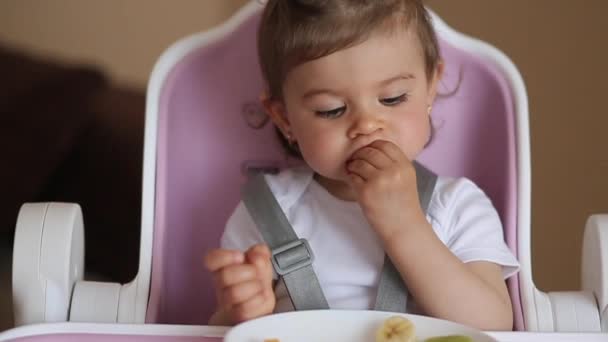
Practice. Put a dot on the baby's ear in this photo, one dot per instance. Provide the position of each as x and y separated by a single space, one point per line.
434 82
440 68
277 112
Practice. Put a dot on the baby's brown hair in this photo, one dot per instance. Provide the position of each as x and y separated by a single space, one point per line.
296 31
293 32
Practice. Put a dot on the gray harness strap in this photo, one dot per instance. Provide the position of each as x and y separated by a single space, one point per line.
292 257
392 292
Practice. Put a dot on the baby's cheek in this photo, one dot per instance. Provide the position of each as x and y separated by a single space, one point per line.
416 138
321 156
314 154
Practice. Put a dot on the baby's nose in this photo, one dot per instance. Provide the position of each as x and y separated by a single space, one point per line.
365 125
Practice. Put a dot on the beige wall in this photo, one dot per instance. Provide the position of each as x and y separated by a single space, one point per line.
558 45
124 36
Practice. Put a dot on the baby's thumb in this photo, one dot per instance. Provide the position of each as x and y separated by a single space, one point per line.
261 249
259 256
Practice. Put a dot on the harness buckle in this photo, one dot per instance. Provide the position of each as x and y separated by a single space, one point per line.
292 256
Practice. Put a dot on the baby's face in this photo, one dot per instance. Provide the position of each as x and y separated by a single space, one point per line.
377 90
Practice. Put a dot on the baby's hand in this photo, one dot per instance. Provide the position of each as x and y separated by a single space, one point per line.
243 284
384 181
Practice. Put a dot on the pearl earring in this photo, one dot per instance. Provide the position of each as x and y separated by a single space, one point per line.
428 109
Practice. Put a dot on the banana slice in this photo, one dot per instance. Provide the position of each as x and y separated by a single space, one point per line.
396 329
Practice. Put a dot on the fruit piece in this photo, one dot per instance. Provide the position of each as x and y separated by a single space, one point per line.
450 338
396 329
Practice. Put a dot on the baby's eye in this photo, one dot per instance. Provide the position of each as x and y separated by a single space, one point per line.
393 101
331 114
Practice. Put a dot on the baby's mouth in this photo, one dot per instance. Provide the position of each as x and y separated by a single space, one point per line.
347 163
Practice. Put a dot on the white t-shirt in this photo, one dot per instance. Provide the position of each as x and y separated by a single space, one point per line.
348 253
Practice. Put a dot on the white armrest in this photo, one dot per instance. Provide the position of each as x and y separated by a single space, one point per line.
594 270
567 311
95 302
103 302
48 267
574 311
587 310
48 258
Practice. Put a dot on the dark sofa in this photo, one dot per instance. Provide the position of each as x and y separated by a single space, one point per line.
69 134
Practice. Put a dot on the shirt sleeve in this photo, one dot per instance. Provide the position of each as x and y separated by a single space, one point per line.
472 228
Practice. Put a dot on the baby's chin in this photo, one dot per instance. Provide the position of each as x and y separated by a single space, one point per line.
334 178
337 186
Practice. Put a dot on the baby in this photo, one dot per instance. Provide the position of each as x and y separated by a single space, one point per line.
350 86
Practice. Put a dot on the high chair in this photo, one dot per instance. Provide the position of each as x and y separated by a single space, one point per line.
205 130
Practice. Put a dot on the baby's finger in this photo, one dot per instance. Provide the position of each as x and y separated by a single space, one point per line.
220 258
356 180
264 269
260 257
232 275
259 249
241 292
267 273
373 155
255 307
361 168
390 149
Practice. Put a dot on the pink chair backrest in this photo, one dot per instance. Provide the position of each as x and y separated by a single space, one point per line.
208 110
